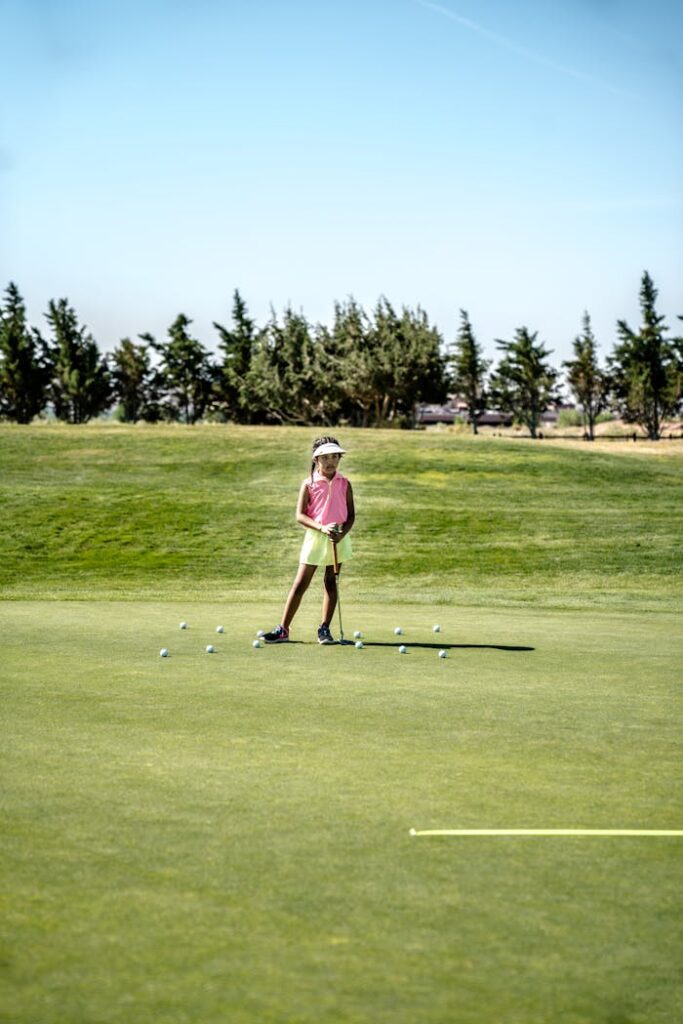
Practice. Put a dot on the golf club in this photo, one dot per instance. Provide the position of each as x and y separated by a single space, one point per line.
336 576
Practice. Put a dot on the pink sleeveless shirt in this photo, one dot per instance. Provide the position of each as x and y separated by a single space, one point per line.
327 499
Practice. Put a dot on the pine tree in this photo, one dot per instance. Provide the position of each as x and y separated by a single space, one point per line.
24 363
288 378
81 385
588 383
384 345
187 374
383 365
396 364
351 365
263 383
239 346
469 370
333 403
645 368
524 383
420 373
136 383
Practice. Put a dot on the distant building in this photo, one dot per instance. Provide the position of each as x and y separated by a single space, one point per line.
494 418
428 415
456 409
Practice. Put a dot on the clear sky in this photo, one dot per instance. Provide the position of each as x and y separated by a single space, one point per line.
523 161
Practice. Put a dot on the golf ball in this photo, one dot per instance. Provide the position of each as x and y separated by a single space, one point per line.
261 633
442 654
403 649
219 629
357 634
183 625
255 643
210 649
163 653
398 631
359 645
436 629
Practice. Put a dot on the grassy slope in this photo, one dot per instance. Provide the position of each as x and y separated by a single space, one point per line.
171 512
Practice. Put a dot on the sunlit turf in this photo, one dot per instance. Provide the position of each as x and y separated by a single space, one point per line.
226 837
173 512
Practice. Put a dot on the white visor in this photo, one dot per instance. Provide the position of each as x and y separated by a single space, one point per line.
328 449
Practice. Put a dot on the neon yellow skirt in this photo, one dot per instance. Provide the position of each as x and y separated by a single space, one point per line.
317 548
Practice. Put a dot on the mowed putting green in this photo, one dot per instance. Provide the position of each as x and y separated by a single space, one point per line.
226 837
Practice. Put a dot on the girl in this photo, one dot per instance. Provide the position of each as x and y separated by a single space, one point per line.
325 510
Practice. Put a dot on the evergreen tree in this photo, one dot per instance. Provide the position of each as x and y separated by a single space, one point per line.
285 375
263 383
469 370
384 345
239 346
342 373
395 362
81 385
351 367
420 373
381 366
187 374
332 401
524 383
646 367
588 383
24 364
136 383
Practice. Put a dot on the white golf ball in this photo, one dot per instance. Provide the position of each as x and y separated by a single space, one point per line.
256 643
442 654
359 645
403 649
210 649
357 634
436 629
219 629
183 625
163 653
261 633
398 631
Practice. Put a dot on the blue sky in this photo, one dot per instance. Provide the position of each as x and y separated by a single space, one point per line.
523 161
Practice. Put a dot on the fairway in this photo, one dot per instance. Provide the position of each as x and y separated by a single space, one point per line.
173 512
226 837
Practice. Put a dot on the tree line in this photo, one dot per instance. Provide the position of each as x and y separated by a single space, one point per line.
365 369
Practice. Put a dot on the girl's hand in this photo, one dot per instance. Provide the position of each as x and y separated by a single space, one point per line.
333 530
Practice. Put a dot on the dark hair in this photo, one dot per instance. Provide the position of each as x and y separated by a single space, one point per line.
325 439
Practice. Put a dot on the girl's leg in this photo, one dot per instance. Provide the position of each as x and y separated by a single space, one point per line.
329 595
299 588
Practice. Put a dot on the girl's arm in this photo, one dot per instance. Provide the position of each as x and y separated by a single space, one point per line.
350 513
301 516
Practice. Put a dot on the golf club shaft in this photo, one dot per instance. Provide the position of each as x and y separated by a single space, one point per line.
336 577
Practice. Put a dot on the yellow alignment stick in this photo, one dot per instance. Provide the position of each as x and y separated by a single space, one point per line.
546 832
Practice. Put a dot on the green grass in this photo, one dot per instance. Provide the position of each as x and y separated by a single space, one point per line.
211 838
163 513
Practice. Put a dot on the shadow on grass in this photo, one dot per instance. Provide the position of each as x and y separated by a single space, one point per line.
446 647
409 645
